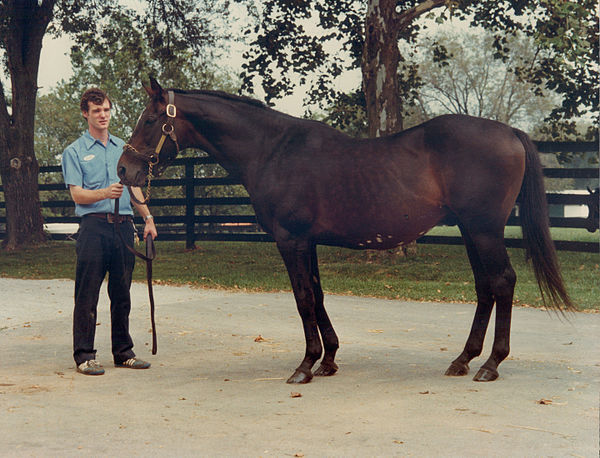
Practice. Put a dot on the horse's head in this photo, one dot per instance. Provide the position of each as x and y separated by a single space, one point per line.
153 144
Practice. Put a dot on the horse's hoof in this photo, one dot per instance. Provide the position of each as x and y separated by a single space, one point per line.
300 377
457 369
486 375
325 370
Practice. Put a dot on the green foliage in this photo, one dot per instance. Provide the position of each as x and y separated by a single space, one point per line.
565 37
283 49
564 34
348 114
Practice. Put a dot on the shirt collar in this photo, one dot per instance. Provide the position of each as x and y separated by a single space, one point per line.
90 141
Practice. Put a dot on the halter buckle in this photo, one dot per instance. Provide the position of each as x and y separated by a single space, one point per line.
171 110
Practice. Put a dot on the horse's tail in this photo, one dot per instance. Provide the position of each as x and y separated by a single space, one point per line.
535 224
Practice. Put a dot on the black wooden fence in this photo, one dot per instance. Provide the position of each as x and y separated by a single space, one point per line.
198 218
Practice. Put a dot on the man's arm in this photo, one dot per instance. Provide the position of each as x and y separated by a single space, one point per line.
89 196
144 212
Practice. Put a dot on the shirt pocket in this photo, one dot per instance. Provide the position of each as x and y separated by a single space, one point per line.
94 172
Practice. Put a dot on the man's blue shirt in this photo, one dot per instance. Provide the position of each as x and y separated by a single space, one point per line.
88 163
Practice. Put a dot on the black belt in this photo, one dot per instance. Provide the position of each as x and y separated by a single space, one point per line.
111 217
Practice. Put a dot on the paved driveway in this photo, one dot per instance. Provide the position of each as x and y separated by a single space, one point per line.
217 389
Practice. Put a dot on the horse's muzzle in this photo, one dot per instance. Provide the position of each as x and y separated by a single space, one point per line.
131 175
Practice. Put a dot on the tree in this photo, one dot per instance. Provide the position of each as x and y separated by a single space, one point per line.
366 32
22 28
169 26
471 81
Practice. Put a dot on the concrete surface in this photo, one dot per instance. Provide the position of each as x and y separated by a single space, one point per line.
217 389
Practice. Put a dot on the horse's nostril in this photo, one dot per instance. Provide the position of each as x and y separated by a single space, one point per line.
121 171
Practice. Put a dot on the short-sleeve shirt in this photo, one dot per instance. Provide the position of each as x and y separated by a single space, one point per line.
88 163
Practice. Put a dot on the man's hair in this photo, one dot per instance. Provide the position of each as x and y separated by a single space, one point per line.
94 95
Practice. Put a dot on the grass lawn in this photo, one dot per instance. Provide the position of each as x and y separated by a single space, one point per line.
437 273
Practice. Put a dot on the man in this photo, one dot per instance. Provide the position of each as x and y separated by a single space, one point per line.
90 170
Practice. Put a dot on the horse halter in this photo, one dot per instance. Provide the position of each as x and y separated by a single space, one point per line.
167 130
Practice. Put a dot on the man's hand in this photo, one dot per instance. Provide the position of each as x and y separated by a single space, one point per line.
114 191
150 229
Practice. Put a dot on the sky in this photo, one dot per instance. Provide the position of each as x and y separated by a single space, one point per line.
55 64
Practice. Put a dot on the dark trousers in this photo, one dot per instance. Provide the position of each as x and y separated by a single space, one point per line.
100 250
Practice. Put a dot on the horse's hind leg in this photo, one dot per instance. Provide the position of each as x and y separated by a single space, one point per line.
485 303
330 339
502 279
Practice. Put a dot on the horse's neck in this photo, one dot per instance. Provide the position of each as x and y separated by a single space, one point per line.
237 132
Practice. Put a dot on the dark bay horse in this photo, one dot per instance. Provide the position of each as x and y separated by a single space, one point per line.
311 184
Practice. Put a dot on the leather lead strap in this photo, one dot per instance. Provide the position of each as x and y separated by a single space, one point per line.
148 258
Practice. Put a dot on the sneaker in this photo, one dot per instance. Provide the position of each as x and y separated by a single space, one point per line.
134 363
91 367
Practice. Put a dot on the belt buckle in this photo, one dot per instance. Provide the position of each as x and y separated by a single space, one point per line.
110 218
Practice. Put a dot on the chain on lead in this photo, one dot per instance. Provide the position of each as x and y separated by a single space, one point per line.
150 177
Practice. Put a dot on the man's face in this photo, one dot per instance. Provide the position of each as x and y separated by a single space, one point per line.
98 116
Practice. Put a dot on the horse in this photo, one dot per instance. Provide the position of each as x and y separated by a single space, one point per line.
311 184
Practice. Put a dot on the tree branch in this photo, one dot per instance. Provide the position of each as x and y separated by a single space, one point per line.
408 16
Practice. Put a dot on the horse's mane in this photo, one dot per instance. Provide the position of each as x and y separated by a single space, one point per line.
224 95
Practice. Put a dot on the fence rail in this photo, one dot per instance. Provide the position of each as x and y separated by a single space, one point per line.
212 224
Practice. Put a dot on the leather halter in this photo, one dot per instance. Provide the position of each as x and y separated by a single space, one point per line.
167 130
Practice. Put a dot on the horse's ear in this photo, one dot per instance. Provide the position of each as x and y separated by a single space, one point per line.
155 91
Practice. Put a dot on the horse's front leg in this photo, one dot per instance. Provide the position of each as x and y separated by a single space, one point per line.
330 340
297 258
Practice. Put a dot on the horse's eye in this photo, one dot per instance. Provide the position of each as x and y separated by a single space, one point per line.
150 119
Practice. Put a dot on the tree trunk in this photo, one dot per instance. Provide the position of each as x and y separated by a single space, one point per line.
380 61
27 24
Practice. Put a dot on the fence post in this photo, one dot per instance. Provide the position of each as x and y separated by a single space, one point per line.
190 237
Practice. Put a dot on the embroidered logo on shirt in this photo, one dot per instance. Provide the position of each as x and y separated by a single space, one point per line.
89 157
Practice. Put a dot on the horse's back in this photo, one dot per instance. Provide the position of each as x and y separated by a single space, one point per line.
381 192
